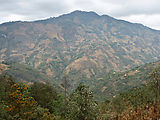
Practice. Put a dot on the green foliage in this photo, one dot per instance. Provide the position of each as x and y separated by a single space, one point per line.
138 99
118 82
155 83
3 110
5 84
57 105
44 94
20 104
41 113
81 105
24 73
135 97
16 102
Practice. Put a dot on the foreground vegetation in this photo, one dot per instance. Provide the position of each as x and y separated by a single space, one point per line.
139 103
41 101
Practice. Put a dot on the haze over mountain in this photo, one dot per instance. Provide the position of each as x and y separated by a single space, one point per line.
82 45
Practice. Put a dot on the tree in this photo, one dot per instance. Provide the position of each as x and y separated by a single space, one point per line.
65 84
82 105
5 83
20 104
44 94
155 82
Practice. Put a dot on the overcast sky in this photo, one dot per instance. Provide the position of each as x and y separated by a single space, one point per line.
146 12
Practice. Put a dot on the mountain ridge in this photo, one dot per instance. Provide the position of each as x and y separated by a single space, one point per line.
83 45
75 12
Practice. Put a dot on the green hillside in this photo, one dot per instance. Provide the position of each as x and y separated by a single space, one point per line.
104 87
115 82
25 74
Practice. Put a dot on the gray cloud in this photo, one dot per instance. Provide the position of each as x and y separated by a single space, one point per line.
33 7
138 7
145 11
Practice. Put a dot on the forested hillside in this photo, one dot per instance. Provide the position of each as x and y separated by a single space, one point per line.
42 101
107 86
115 82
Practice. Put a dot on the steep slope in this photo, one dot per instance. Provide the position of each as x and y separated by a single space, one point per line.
23 73
82 45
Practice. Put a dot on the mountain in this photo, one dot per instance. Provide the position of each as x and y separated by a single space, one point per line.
82 45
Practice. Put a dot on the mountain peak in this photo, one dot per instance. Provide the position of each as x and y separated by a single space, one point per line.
82 14
78 12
